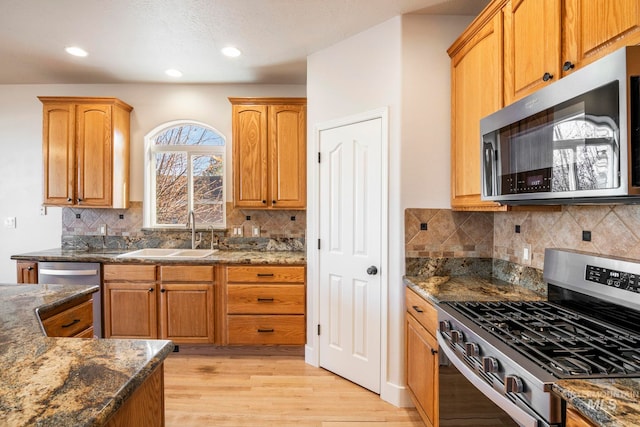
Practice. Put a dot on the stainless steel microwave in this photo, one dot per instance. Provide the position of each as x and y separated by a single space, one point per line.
576 140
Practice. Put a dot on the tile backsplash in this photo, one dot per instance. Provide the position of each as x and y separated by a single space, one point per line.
279 230
614 229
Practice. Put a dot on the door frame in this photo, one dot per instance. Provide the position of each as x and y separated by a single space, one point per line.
312 347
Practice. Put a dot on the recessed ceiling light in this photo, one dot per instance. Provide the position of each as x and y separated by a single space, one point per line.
76 51
231 51
173 73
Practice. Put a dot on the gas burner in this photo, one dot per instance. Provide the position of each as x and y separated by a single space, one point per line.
571 366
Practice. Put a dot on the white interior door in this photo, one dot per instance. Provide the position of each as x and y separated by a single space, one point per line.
350 251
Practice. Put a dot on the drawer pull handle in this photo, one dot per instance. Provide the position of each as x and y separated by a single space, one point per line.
265 299
265 274
265 330
418 309
73 322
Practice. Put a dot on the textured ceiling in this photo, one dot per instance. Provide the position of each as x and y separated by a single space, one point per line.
137 40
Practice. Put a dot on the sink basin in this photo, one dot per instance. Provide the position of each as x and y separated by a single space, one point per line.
168 253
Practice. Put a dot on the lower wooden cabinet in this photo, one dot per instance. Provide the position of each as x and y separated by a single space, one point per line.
422 357
575 419
178 306
27 271
73 319
265 305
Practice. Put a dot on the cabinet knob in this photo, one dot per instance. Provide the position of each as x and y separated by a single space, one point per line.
547 76
264 202
273 202
150 289
29 268
434 351
568 65
79 200
163 290
69 199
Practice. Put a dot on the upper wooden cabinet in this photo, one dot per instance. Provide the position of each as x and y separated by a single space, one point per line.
269 152
532 46
476 91
546 39
85 151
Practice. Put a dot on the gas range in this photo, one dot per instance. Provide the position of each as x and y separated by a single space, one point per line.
586 329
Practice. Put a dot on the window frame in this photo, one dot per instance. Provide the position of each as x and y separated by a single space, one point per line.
149 218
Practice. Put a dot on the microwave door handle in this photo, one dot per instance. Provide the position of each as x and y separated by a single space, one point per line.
519 415
488 169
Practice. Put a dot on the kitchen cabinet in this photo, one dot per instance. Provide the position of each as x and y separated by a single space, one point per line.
265 305
73 319
269 152
130 302
546 39
422 357
186 304
85 152
575 419
27 271
179 306
476 91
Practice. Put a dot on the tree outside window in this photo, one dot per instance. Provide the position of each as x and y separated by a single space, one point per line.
184 166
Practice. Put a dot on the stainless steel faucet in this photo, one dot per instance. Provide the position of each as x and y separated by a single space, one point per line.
191 222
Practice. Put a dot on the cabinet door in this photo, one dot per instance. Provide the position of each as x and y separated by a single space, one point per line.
27 271
594 28
186 313
422 370
130 310
250 156
575 419
476 84
532 40
287 153
58 154
94 151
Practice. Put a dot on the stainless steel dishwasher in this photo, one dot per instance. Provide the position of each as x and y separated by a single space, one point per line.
75 273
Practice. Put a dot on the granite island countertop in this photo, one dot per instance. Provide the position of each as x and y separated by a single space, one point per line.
218 257
64 381
608 402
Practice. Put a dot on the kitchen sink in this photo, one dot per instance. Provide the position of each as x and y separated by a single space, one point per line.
168 253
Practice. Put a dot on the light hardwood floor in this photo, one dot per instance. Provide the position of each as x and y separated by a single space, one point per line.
268 387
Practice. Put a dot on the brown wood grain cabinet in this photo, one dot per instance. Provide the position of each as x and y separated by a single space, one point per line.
130 301
476 91
73 319
269 152
27 272
265 305
575 419
422 357
85 151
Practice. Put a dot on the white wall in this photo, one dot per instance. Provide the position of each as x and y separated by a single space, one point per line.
21 146
401 64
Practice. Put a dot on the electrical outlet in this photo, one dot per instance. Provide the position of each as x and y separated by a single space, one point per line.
10 222
237 231
526 254
255 231
103 230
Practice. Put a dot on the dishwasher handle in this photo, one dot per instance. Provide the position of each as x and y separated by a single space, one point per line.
68 272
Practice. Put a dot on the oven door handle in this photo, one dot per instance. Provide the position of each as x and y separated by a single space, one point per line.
520 416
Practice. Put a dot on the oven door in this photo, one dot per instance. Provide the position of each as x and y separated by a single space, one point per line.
466 399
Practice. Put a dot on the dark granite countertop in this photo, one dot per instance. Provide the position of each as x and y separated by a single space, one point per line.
64 381
607 402
218 257
468 288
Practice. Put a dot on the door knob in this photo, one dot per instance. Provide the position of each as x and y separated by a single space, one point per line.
373 270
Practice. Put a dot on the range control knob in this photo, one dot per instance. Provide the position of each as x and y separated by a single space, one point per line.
456 336
490 365
513 384
445 326
472 349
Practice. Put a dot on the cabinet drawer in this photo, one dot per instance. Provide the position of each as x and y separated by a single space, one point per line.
186 273
270 299
87 333
264 329
265 274
129 273
71 321
422 310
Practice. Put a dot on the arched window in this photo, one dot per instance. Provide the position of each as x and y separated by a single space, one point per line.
184 165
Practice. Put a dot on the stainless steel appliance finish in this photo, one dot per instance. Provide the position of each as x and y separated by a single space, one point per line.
75 273
513 351
574 141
